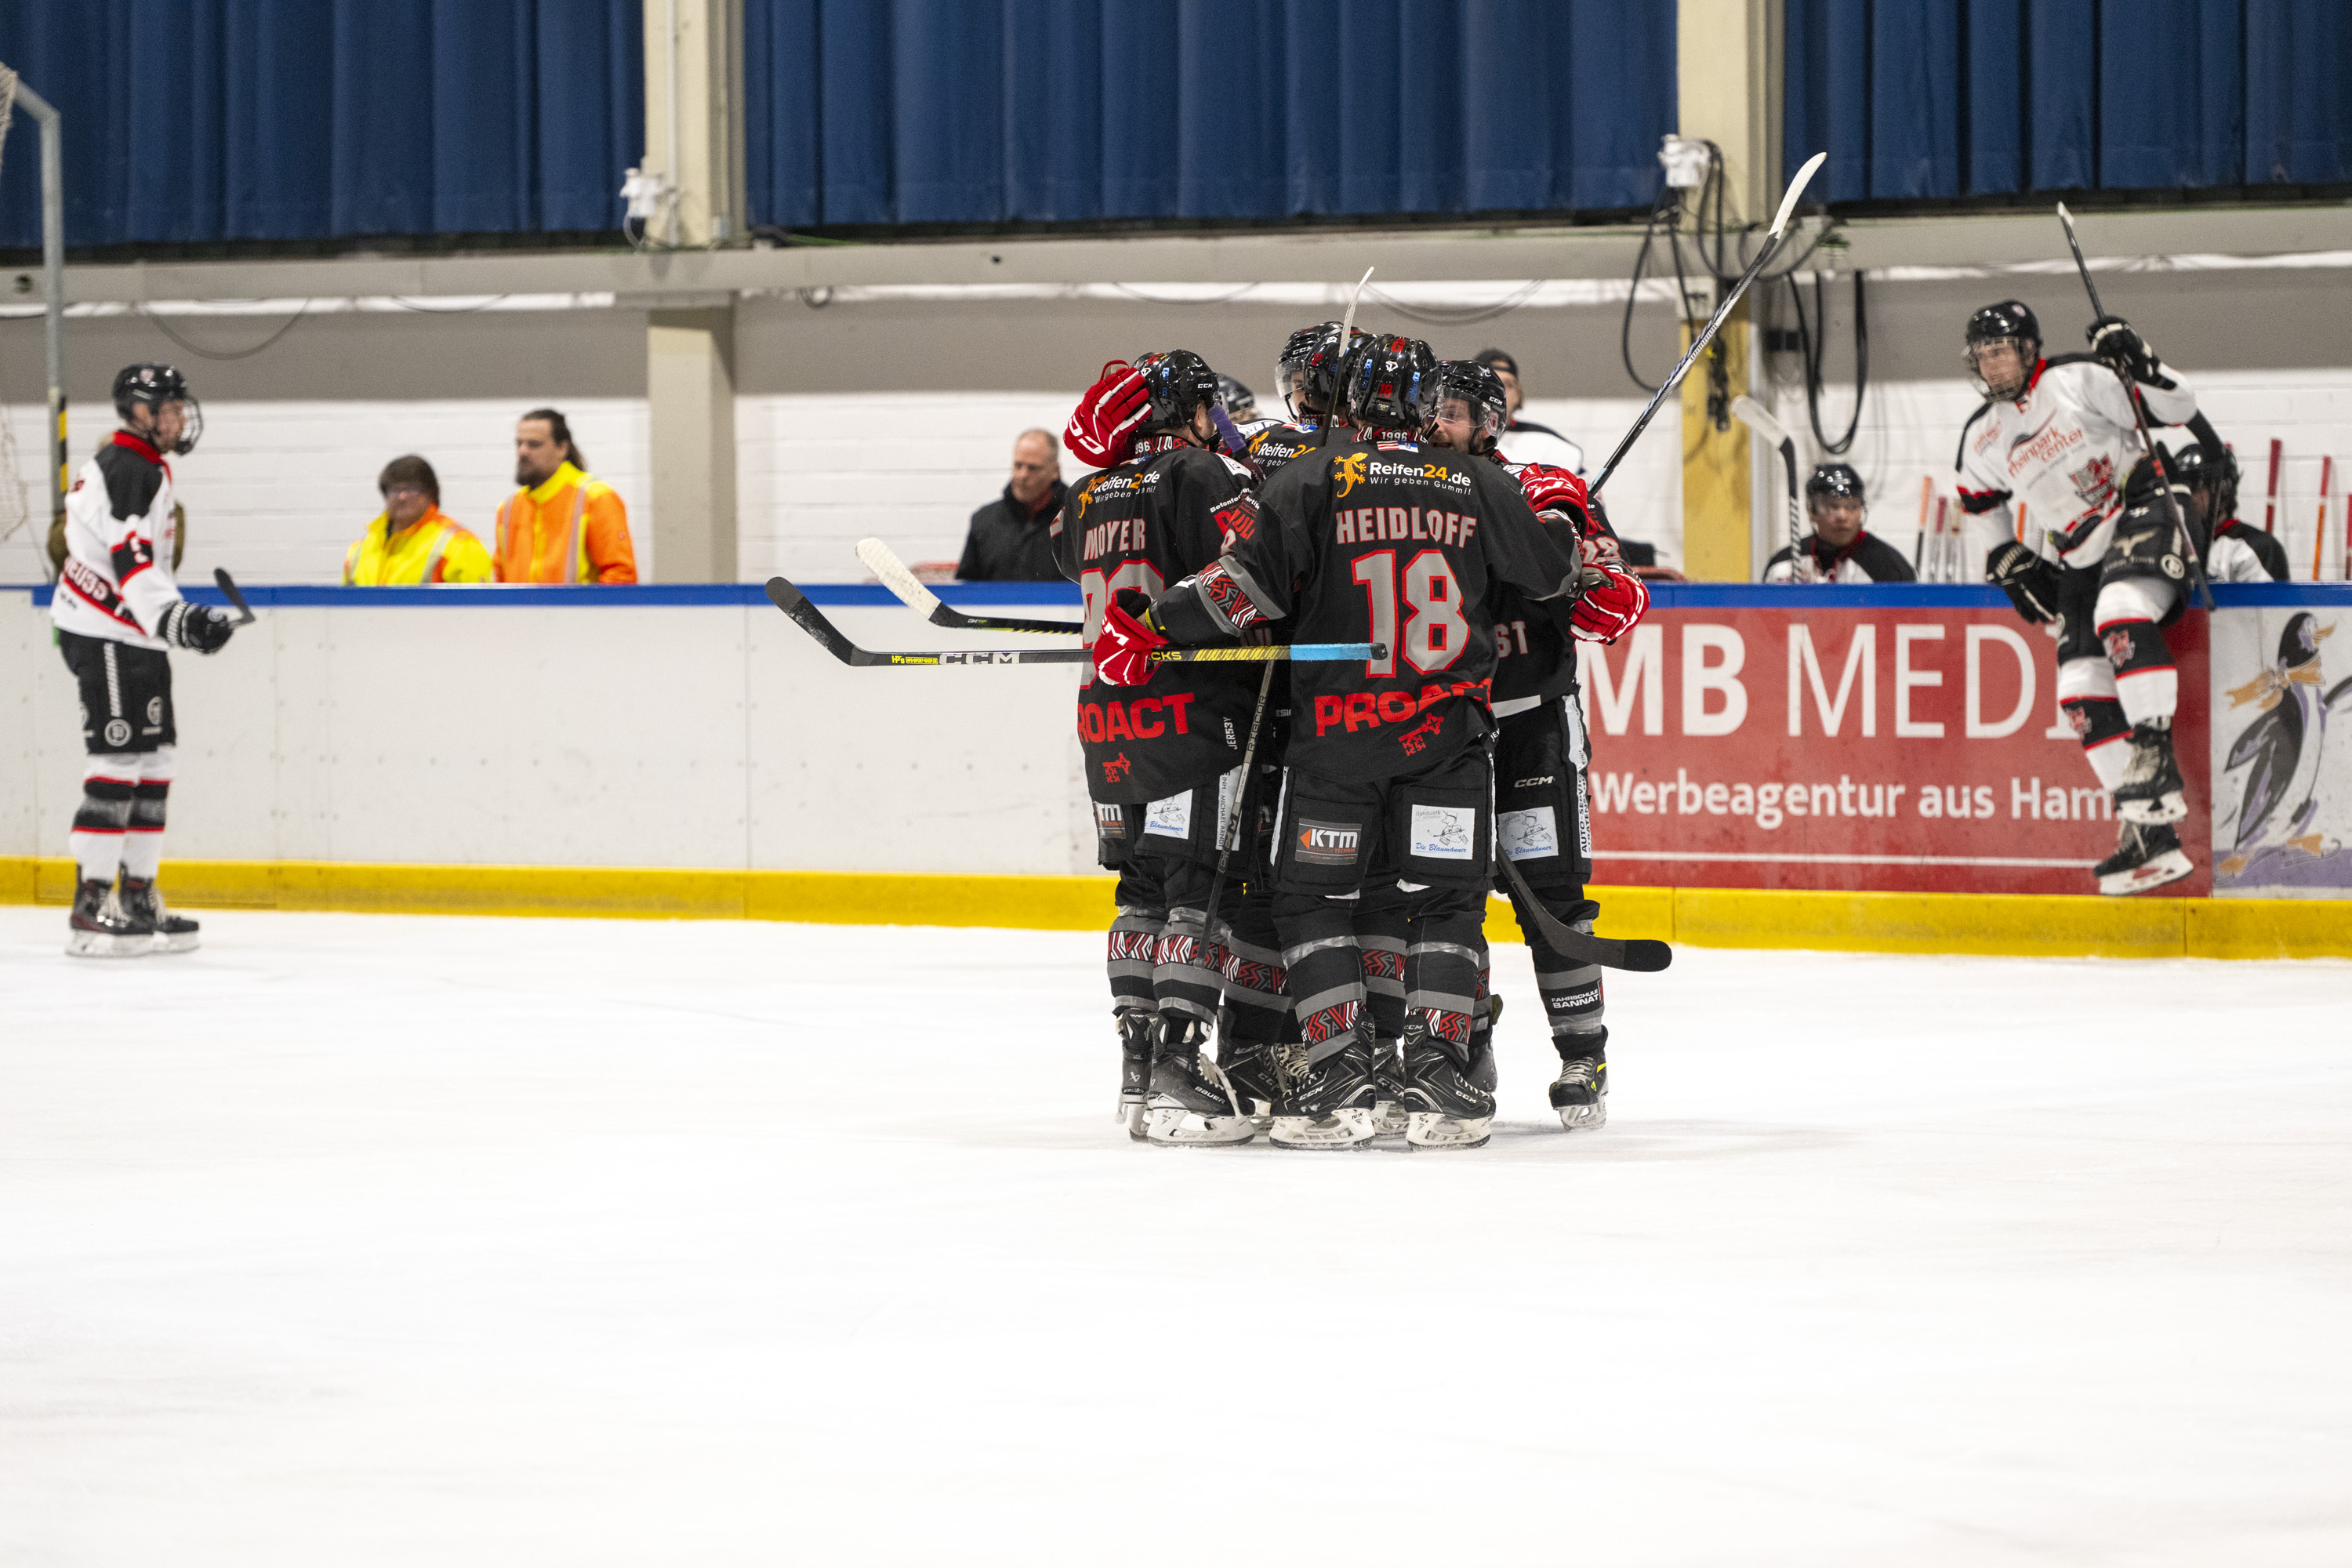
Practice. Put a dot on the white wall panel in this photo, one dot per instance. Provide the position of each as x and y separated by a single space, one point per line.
697 737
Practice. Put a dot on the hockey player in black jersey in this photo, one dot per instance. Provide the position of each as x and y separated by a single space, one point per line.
1162 758
1542 753
1308 372
118 613
1386 812
1840 549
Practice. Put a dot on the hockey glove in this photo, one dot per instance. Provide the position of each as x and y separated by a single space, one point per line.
1102 429
1123 649
197 626
2114 343
1549 488
1608 609
2031 583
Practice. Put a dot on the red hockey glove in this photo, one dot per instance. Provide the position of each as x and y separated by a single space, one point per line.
1549 488
1123 649
1609 608
1102 429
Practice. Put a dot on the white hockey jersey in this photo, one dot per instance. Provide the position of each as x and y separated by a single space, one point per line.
2062 451
117 580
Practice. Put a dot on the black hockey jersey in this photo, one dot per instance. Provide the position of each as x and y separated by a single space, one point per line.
1390 543
1275 444
1147 523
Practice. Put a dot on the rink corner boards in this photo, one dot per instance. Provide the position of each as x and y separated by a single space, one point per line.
2043 926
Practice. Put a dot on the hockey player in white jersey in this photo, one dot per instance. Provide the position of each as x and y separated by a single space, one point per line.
117 611
2046 460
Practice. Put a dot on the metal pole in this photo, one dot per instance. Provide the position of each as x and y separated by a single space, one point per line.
53 285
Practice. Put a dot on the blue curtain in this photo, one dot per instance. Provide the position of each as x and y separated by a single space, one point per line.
1940 99
200 120
917 111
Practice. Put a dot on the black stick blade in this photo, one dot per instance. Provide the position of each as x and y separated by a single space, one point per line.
810 619
228 586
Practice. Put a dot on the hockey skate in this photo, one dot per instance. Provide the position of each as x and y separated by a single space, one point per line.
1331 1096
143 902
1135 1031
2151 791
2145 857
100 928
1388 1089
1580 1092
1449 1092
1191 1105
1254 1077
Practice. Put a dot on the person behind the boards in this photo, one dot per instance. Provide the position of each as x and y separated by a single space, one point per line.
1840 549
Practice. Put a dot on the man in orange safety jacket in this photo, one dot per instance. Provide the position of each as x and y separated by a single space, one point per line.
413 543
564 525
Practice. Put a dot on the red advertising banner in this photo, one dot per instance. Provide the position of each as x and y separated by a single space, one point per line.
1887 739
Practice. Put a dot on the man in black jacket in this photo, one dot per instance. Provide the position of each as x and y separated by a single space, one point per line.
1011 537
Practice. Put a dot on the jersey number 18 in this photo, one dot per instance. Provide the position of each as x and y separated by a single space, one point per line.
1435 632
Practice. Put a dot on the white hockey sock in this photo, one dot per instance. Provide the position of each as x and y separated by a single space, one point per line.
109 780
142 842
2109 760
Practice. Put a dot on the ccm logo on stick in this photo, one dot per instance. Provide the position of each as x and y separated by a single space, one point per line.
1145 719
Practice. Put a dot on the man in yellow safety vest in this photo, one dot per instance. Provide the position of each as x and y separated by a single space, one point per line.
564 525
413 543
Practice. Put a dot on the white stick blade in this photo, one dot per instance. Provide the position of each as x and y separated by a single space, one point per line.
895 576
1757 417
1797 188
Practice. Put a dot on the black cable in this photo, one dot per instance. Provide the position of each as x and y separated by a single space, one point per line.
241 353
1812 354
1665 207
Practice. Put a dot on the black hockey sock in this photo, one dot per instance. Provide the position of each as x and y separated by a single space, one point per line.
1186 968
1571 991
1134 944
1446 964
1382 922
1326 974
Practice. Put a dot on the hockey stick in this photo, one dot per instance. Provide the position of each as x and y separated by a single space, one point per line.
2140 422
228 586
810 619
1714 323
1640 956
915 595
1346 336
1757 417
1233 835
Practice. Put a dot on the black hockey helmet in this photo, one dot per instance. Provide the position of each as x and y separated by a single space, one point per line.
155 385
1473 382
1381 385
2010 320
1308 368
1179 381
1834 479
1238 401
2218 481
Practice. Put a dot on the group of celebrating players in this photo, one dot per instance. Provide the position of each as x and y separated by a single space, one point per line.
1318 904
1341 959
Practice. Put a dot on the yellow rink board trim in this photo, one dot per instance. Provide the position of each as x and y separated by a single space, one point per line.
2046 926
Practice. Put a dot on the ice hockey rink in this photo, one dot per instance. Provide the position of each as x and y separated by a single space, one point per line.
365 1239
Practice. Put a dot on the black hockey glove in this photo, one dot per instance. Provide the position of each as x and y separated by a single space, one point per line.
197 626
2031 583
2115 343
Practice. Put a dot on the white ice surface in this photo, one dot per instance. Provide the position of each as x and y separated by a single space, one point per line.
361 1240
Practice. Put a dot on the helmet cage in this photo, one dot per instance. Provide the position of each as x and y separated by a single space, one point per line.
1479 389
155 385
